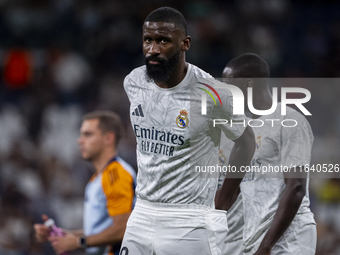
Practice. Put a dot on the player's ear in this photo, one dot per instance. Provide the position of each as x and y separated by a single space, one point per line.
186 42
110 138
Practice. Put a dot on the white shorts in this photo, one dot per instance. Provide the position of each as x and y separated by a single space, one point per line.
162 229
233 247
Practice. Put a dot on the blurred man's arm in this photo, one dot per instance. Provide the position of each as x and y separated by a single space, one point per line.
78 232
240 155
111 235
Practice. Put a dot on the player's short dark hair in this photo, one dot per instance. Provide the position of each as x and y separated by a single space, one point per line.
108 122
249 65
169 15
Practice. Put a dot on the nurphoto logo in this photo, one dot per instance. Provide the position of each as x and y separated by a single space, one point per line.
239 103
238 100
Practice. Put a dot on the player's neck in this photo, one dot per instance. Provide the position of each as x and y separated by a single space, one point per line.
262 100
103 159
177 76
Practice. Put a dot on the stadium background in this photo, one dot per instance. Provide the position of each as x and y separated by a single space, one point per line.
62 58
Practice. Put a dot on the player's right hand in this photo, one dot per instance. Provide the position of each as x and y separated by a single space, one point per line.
41 231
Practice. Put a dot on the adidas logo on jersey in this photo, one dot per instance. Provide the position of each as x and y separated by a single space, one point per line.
138 111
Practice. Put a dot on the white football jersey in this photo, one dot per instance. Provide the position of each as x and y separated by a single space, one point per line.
169 138
261 193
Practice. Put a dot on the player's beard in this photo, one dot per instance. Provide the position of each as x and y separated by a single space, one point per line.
162 71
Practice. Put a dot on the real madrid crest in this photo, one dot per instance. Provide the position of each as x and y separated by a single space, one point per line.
222 158
182 119
258 142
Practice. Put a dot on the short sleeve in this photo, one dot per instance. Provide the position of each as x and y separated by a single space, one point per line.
136 76
127 85
297 141
118 189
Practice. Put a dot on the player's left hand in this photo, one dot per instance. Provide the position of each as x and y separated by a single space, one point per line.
61 244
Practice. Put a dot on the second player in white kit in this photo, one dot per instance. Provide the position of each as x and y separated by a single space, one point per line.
277 217
261 193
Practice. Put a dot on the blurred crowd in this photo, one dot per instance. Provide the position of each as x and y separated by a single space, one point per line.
62 58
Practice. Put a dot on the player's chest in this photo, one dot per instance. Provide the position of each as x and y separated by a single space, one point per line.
162 110
155 112
268 143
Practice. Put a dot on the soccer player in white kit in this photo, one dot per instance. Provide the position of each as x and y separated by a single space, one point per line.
277 217
174 212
